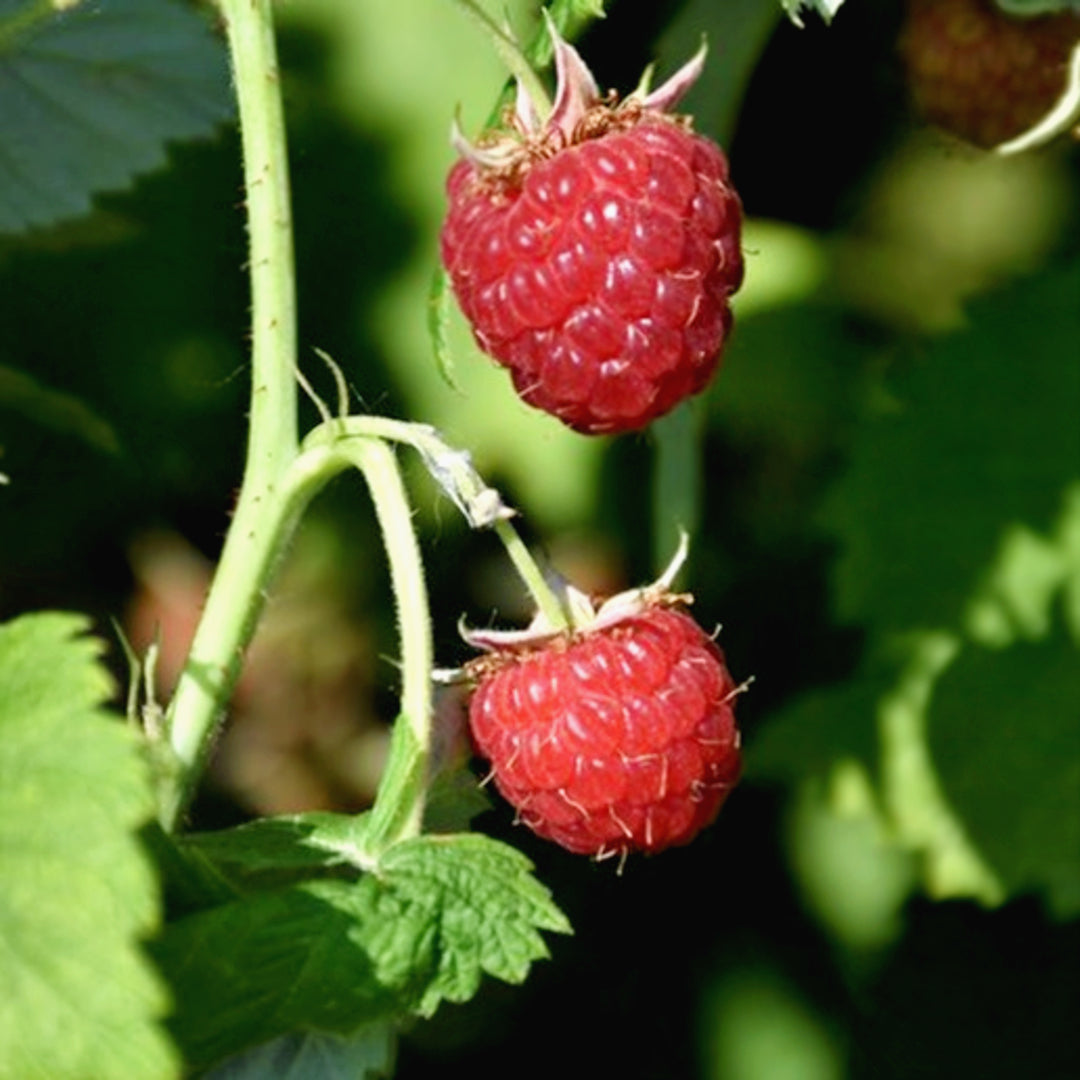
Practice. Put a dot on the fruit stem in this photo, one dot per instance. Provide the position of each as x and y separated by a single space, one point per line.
453 471
554 611
512 55
265 511
678 483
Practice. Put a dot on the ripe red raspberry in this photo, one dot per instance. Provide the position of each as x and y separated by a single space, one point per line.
594 255
618 738
981 74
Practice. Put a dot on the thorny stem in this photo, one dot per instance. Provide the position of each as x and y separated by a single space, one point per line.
264 513
400 796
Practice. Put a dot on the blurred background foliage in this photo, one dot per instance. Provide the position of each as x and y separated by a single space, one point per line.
889 534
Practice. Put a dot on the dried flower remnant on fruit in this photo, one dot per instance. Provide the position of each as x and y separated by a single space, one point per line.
980 73
594 253
616 737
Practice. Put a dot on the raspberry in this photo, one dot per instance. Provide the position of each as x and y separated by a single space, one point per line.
615 739
594 255
981 74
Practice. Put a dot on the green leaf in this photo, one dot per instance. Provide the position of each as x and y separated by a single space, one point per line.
274 850
77 892
571 17
876 721
486 910
994 813
365 1055
980 432
1004 731
440 305
334 955
911 794
1018 596
92 94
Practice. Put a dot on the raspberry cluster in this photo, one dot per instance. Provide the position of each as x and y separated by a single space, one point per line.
594 253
